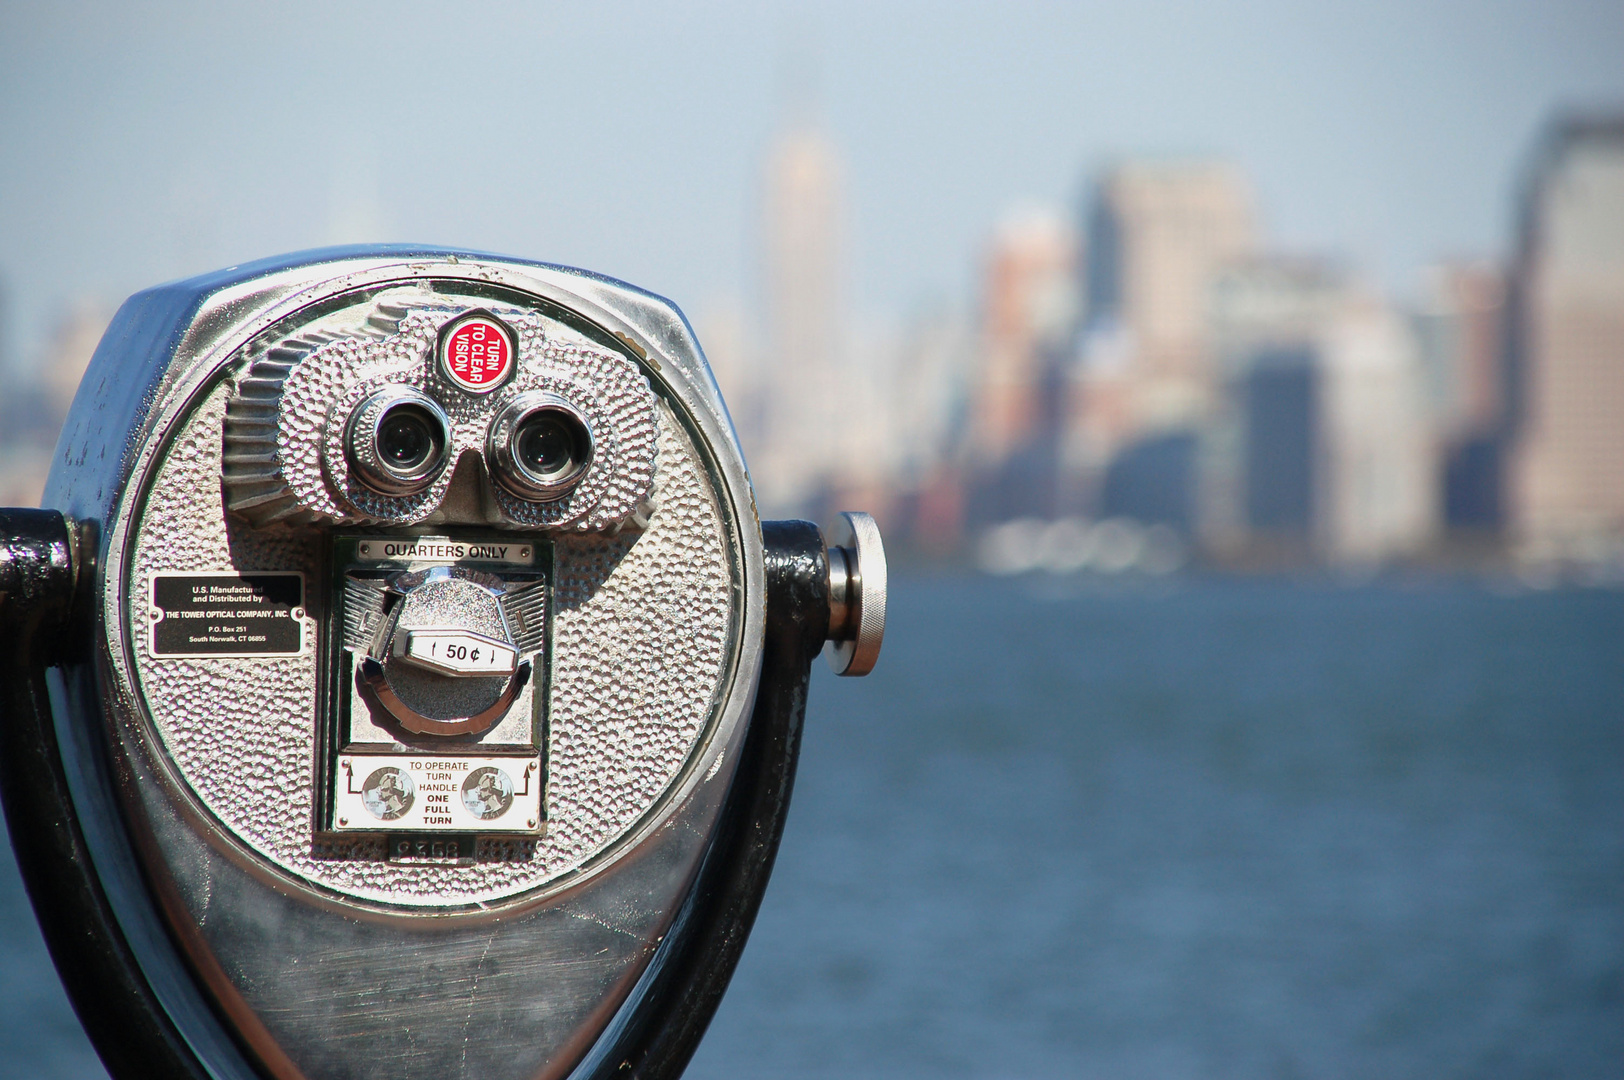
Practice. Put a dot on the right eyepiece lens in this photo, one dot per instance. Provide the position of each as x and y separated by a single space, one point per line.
550 445
540 447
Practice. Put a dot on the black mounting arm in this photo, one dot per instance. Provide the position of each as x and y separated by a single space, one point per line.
659 1040
44 561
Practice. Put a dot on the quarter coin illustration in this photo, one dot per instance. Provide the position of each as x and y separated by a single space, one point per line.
487 793
388 793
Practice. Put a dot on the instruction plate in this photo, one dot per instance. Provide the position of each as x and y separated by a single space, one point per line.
423 793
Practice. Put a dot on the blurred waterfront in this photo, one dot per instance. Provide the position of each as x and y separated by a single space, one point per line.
1203 828
1137 368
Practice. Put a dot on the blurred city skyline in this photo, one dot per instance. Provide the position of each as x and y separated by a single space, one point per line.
148 145
1235 283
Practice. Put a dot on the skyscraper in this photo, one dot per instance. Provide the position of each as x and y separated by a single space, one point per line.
803 249
1321 444
1028 310
1379 466
1460 328
1027 313
1159 236
1263 448
1567 477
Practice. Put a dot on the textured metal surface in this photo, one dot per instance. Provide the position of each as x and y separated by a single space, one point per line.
286 436
311 980
641 626
317 992
525 609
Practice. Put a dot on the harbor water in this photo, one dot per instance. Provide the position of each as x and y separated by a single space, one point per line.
1214 828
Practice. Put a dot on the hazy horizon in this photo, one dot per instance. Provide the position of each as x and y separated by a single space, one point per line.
148 145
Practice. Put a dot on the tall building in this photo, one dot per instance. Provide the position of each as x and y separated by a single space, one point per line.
1567 476
803 234
1159 236
1320 445
1028 310
1262 449
1458 325
1460 328
1379 465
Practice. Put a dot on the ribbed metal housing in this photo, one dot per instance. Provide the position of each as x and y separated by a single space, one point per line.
284 436
255 485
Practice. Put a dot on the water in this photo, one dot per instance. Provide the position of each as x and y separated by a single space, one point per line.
1231 829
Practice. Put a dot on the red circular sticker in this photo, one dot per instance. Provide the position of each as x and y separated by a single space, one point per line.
477 354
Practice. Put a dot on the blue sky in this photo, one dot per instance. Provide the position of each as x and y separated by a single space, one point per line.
140 145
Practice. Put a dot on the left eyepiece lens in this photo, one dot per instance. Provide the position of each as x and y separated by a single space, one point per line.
398 441
406 437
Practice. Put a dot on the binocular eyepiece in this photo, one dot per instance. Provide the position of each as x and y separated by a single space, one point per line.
540 447
401 682
398 441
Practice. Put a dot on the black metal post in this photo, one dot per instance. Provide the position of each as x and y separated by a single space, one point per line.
659 1041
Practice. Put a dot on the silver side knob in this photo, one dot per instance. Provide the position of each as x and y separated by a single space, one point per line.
857 588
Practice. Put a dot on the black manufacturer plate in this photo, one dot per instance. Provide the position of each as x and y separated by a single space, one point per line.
227 614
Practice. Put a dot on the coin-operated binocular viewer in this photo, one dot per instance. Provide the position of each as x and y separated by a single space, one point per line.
401 682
